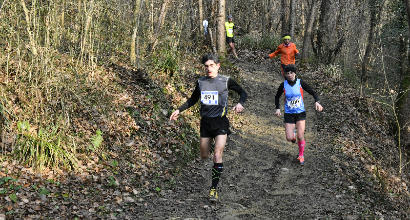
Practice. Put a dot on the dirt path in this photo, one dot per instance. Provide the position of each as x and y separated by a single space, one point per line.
262 178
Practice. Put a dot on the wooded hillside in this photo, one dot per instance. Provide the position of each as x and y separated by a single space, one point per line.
87 86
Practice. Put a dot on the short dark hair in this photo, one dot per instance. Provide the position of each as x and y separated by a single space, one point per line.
290 68
207 57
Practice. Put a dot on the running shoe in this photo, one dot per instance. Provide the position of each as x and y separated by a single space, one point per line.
301 160
213 195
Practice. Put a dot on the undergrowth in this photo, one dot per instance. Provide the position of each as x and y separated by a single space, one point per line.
256 41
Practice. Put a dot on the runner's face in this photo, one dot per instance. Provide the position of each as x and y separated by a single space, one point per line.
286 41
211 68
290 76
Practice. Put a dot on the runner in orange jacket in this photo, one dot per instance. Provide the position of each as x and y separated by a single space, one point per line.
287 51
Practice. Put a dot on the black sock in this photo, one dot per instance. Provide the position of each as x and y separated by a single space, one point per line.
216 174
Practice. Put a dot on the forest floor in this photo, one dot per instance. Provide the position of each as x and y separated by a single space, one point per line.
262 178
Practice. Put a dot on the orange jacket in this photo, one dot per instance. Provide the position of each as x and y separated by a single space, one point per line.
287 53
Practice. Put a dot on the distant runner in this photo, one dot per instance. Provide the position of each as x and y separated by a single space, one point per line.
229 26
295 114
212 90
287 51
205 24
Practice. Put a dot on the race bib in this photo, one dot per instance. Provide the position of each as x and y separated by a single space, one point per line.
209 97
294 102
230 31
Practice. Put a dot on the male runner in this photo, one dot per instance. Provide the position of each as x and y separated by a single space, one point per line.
212 90
287 51
229 26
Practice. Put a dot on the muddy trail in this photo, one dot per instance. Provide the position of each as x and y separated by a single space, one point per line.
262 178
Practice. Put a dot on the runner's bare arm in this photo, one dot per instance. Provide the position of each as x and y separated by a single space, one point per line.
190 102
238 108
174 115
318 107
277 112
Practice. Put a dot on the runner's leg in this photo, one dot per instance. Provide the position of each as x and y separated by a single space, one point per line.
289 127
232 45
282 70
217 169
300 125
204 147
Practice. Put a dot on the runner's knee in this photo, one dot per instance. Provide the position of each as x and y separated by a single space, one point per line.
217 156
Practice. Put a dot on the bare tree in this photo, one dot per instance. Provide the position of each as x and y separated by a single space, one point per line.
160 23
30 33
201 15
329 37
292 18
375 7
221 28
308 28
137 9
407 4
285 6
403 101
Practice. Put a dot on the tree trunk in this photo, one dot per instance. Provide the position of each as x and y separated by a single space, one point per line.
33 46
407 3
329 39
193 18
292 18
308 29
375 11
285 17
212 40
324 13
403 101
221 36
201 16
137 9
212 21
265 17
161 20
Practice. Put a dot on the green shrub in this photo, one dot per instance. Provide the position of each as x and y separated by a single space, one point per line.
96 141
166 61
44 148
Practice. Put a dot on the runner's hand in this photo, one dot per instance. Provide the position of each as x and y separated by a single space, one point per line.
174 115
277 112
318 106
266 57
238 108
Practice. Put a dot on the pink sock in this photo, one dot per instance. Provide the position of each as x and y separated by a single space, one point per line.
301 145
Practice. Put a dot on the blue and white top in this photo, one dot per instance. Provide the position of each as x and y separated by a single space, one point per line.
293 98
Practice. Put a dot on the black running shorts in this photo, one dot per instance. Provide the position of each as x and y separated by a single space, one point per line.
230 40
293 118
212 127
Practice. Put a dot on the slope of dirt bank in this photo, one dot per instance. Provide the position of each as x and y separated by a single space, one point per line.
262 178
